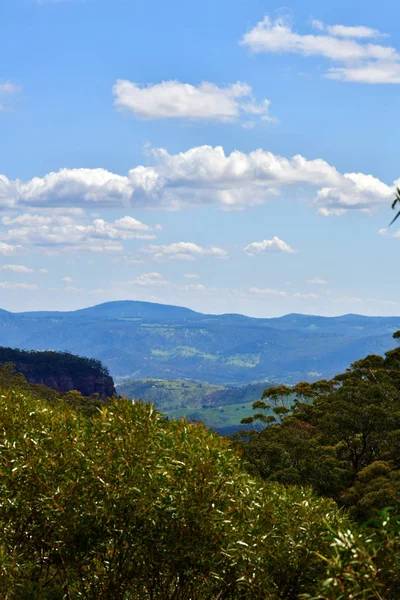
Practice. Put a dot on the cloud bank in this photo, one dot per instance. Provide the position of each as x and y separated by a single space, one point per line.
355 57
202 175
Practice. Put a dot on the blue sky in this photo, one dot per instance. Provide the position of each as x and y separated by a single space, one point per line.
226 156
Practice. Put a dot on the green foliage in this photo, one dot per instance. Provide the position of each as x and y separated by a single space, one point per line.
364 564
127 505
340 436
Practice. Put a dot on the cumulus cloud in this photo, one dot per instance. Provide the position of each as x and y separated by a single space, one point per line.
274 245
173 99
357 58
16 268
8 93
191 276
67 279
60 231
183 251
6 249
357 190
203 175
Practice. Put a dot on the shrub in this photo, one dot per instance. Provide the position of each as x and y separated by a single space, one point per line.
364 564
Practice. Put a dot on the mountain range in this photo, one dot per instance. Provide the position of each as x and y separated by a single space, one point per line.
138 340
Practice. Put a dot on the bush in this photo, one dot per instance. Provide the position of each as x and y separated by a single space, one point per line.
126 505
364 564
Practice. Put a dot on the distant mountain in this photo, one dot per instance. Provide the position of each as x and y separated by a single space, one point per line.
138 340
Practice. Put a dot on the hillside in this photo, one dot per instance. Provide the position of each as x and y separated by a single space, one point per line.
137 340
219 407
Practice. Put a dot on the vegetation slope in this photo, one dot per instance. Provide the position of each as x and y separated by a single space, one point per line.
119 502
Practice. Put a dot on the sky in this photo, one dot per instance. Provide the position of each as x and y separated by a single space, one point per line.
235 156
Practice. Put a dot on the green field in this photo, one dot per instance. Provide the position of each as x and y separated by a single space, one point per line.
217 406
217 417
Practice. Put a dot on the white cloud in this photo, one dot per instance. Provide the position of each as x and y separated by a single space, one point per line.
63 231
195 287
67 279
5 285
317 280
268 292
16 268
183 251
131 260
6 249
131 224
8 92
349 47
191 276
305 296
173 99
358 31
274 245
149 279
346 31
387 233
203 175
379 72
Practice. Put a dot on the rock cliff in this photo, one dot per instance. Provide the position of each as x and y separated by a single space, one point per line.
61 371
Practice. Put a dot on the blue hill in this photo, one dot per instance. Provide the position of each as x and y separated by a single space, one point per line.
141 339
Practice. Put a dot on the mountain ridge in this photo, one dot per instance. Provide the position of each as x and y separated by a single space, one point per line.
136 340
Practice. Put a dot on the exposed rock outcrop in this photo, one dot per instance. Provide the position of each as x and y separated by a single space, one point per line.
61 371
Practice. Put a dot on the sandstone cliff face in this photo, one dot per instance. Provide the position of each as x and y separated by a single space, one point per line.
87 385
61 371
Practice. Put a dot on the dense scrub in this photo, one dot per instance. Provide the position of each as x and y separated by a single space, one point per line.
126 504
115 502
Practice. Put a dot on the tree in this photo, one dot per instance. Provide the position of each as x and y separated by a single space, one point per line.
339 436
